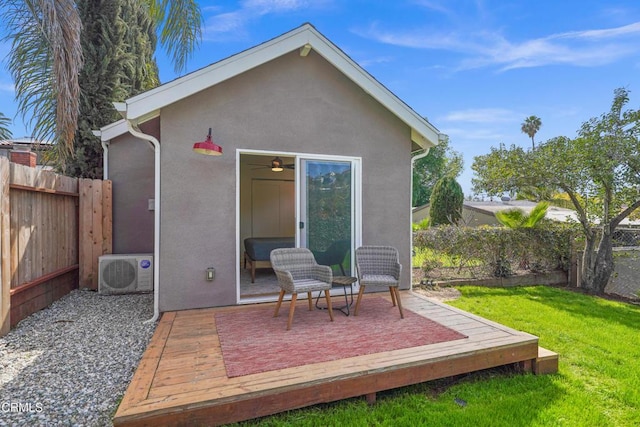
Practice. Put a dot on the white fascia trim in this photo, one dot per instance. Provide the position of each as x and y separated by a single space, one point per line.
113 130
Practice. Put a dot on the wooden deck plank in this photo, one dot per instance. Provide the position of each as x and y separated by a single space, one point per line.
138 389
182 379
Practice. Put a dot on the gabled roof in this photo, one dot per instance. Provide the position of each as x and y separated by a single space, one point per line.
147 105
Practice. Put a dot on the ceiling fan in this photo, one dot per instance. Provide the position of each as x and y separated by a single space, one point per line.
277 165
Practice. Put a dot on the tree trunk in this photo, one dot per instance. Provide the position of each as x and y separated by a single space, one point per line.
597 265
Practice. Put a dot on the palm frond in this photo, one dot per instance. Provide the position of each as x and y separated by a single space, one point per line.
5 122
180 25
511 218
536 215
517 218
45 62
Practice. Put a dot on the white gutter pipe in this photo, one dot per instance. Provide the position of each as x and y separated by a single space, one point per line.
105 155
441 137
133 130
105 160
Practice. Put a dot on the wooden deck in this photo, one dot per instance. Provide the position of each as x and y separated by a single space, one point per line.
181 378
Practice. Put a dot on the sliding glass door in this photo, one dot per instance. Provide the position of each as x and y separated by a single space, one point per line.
327 211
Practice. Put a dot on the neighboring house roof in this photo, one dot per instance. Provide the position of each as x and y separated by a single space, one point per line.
32 142
147 105
490 208
554 213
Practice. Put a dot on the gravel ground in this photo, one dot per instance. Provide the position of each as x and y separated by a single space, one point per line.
70 363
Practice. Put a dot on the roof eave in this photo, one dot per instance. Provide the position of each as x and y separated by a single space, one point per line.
148 104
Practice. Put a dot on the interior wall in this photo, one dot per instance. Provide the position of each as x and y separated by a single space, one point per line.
249 174
272 208
291 104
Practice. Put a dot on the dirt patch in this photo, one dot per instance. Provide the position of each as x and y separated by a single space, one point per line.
442 294
439 293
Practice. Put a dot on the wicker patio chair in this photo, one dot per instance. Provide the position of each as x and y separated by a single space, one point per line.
298 271
379 266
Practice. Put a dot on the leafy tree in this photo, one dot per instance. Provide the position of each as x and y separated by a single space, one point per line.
531 126
5 133
517 218
46 57
446 202
118 41
599 170
440 161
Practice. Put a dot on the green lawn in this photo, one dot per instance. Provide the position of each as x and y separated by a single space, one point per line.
598 383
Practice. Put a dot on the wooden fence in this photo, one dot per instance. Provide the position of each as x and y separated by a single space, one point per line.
95 224
41 225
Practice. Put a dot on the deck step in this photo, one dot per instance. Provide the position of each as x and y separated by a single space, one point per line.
546 362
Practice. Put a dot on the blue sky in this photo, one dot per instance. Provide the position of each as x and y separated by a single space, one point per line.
475 68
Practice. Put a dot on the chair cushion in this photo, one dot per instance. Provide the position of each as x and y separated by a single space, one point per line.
378 279
309 285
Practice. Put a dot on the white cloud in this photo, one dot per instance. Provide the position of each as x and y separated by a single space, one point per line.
7 87
481 115
225 26
600 34
481 49
233 25
460 135
376 60
263 7
434 5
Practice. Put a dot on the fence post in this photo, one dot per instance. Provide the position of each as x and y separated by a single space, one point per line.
5 248
95 228
573 261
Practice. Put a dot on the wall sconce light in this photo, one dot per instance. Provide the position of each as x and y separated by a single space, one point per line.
207 147
276 165
211 274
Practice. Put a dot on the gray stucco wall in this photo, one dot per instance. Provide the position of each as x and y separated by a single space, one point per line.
131 168
295 104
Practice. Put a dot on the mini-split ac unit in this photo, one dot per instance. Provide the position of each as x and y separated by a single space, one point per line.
125 274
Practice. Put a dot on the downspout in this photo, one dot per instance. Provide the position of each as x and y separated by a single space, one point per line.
424 153
413 164
105 155
105 160
441 137
133 130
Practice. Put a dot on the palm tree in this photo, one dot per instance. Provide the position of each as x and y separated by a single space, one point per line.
46 57
45 61
531 126
517 218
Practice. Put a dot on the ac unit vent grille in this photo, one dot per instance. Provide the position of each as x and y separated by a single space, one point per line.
122 274
119 273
